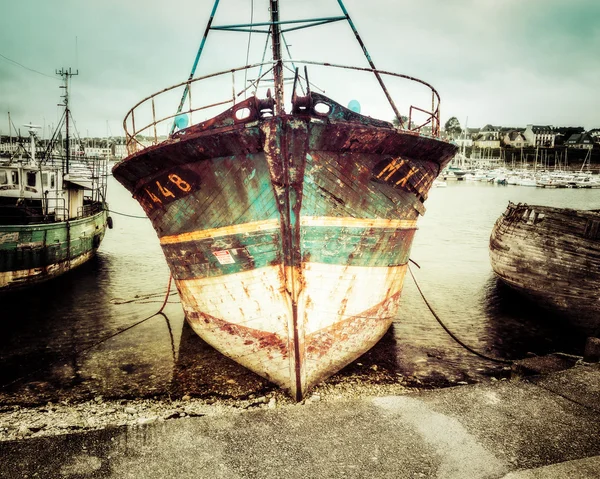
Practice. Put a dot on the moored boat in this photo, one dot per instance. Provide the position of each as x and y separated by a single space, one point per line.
551 255
286 219
53 214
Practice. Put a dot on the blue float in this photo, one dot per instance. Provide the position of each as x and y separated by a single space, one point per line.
181 121
354 106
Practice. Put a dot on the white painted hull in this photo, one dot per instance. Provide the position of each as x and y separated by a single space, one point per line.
343 312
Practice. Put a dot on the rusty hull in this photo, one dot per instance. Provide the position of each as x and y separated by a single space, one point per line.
288 236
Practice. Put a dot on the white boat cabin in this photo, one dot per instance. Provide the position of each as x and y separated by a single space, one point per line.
61 197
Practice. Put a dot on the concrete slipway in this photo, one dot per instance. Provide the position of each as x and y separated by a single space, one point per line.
539 427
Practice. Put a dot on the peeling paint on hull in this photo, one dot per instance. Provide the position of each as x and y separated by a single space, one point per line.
288 238
32 254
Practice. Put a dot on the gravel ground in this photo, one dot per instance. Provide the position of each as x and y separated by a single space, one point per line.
21 422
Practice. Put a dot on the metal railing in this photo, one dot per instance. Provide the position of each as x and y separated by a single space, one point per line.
90 209
145 112
39 213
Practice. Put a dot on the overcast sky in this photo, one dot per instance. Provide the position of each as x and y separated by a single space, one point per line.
504 62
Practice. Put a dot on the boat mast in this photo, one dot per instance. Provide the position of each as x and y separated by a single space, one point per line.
66 74
278 67
196 60
377 75
9 134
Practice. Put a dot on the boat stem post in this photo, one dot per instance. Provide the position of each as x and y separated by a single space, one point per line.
278 66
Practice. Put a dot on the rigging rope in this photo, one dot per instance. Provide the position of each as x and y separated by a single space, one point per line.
97 343
27 68
450 333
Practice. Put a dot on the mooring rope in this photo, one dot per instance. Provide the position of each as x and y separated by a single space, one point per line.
125 214
450 333
143 299
97 343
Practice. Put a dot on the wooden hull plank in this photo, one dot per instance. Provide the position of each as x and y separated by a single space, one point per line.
288 238
31 254
551 255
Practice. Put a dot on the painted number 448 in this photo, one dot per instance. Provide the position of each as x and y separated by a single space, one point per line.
168 192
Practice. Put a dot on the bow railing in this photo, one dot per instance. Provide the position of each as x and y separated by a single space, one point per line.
152 120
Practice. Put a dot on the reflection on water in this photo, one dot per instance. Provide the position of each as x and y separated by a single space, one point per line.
57 340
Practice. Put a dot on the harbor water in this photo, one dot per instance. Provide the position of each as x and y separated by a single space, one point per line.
94 332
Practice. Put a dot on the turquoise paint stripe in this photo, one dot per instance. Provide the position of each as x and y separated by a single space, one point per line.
224 255
356 246
352 246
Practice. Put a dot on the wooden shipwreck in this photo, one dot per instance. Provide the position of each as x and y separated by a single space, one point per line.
552 255
286 221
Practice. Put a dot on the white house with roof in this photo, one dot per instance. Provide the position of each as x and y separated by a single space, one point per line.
491 131
486 141
515 138
540 135
488 137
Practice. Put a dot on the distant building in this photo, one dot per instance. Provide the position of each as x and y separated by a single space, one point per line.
487 137
595 134
119 150
565 132
491 131
486 140
20 146
472 132
464 142
97 152
540 136
581 141
515 139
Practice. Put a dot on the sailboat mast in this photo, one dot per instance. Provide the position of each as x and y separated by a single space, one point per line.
196 60
278 67
9 134
372 65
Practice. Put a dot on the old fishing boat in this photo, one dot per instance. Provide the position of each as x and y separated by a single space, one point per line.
52 209
286 219
551 255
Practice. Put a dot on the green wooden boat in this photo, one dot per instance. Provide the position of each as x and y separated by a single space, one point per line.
53 214
285 217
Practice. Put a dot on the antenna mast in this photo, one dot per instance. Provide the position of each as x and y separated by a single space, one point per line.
66 75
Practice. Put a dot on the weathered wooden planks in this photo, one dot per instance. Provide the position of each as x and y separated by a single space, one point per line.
34 253
288 237
553 256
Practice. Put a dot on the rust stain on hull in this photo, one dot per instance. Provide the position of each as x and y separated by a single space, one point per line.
318 200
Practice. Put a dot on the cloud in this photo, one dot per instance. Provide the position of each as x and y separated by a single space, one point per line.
500 62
